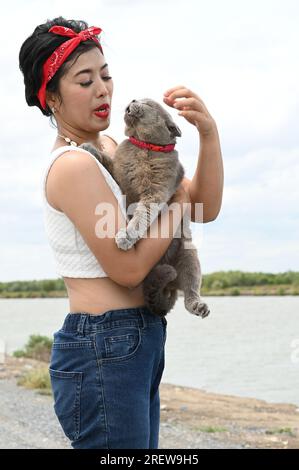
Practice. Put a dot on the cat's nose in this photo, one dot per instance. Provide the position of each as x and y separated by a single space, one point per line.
128 107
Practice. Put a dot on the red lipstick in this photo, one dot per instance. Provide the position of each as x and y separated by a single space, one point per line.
102 111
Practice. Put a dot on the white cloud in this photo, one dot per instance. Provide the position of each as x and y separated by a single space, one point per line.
239 57
264 184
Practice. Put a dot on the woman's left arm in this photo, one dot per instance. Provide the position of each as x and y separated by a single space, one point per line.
206 185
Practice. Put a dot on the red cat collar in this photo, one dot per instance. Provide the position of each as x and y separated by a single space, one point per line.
155 148
60 54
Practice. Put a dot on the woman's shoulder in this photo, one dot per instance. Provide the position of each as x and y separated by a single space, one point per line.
105 136
109 144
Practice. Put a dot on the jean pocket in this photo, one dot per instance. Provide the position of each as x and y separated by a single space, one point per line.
119 347
66 388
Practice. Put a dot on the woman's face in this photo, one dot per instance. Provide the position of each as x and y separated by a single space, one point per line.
83 92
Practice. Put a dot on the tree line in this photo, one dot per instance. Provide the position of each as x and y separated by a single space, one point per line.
216 280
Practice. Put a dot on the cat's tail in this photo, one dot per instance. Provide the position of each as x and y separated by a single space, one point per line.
157 296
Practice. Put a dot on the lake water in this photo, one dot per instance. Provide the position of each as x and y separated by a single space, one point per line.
248 346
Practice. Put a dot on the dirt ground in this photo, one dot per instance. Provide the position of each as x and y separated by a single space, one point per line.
245 422
192 418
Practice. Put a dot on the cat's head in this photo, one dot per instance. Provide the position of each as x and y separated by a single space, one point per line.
147 120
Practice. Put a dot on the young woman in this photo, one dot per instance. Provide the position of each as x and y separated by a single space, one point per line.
108 357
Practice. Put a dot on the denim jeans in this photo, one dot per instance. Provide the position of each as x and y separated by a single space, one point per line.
105 373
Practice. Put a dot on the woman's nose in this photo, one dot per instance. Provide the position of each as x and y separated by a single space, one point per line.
102 89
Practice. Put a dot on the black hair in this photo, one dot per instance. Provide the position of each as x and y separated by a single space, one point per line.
35 51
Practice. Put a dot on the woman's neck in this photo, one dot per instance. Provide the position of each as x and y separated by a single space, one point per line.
60 141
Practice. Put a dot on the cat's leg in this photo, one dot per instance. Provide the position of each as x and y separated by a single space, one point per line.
146 211
189 280
157 297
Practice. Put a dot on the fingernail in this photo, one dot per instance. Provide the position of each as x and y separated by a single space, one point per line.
166 93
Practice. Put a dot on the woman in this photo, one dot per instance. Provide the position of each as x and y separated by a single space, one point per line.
108 357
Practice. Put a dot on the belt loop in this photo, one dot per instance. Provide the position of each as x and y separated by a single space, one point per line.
82 320
143 319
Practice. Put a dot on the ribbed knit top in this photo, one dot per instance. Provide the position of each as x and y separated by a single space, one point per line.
72 256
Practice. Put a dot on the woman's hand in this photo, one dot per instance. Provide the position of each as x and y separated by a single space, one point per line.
191 107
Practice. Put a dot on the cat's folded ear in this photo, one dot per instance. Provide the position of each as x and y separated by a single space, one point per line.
174 129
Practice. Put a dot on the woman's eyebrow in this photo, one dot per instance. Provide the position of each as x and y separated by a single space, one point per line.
89 70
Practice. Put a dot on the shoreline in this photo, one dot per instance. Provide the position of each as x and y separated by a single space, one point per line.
202 293
231 292
194 418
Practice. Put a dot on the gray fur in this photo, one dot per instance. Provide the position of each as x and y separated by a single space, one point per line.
148 177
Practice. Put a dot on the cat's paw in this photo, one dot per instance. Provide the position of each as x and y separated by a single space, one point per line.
85 145
123 240
89 148
133 234
198 308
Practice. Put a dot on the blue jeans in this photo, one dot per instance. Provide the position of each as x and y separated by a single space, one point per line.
105 373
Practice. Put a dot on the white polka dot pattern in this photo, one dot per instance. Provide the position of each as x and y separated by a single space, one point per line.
72 255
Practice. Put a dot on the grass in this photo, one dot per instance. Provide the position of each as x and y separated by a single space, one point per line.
287 431
38 347
211 429
38 378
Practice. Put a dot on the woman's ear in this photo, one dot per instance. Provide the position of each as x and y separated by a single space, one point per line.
51 100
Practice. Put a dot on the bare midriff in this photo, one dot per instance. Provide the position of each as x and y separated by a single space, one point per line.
98 295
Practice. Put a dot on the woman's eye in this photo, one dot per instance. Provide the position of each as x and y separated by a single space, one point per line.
90 81
86 83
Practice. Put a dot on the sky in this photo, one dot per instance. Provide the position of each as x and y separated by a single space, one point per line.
238 56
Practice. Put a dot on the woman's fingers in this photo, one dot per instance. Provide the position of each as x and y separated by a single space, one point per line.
187 103
170 90
183 92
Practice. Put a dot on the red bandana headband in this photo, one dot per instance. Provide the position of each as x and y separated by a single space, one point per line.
60 54
154 147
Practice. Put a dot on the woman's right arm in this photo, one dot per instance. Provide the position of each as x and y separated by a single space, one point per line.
77 186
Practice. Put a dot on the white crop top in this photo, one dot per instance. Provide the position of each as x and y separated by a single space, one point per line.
72 255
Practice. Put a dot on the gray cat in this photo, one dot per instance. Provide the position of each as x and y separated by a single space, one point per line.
149 178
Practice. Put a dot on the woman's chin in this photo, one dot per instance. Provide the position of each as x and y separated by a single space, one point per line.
103 124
